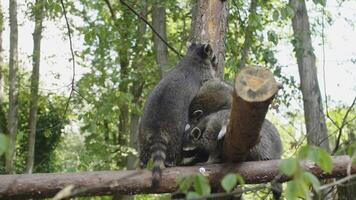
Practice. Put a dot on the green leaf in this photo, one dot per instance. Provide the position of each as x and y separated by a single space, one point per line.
292 190
192 195
3 143
201 185
229 182
325 161
311 179
289 166
185 183
273 37
321 158
275 15
321 2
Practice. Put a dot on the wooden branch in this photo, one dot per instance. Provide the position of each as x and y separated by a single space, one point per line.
255 88
138 182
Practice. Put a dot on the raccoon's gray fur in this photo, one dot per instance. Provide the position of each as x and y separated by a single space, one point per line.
214 95
209 136
166 110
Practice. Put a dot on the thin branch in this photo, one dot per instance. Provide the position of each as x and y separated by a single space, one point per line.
338 182
143 19
73 58
342 126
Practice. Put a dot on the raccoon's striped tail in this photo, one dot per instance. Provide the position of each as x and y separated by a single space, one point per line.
158 150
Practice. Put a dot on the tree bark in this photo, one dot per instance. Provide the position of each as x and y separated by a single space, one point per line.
13 88
209 25
3 120
1 58
313 108
139 182
36 59
254 90
159 24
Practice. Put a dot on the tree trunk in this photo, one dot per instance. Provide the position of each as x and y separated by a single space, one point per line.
13 88
312 101
248 35
209 25
161 49
36 58
1 59
3 120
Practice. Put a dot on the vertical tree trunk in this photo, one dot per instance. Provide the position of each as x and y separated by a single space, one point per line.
209 25
3 120
313 108
312 101
248 34
13 90
159 24
36 58
1 58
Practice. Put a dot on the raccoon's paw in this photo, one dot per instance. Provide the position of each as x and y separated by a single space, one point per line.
168 163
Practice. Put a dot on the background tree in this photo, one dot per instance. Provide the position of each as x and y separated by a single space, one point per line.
317 133
13 91
38 12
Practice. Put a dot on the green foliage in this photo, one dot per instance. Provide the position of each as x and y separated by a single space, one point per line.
194 186
3 143
230 180
299 186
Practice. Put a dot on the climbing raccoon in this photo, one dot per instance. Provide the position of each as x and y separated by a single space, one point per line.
165 113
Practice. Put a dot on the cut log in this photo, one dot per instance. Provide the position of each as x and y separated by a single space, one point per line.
138 182
255 88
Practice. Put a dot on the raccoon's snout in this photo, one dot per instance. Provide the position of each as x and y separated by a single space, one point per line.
195 134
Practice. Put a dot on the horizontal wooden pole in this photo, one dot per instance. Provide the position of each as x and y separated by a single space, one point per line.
139 181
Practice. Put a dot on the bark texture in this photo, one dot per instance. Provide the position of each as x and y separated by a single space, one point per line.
209 25
36 58
13 88
138 182
312 101
159 24
254 90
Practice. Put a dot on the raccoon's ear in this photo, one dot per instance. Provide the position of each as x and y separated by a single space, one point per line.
208 50
195 133
197 114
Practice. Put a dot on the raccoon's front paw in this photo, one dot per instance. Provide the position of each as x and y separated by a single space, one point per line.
169 163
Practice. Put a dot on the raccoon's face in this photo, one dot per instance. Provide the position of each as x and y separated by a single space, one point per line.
204 53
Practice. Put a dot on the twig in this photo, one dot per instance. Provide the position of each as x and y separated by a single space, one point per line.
152 28
73 59
343 125
338 182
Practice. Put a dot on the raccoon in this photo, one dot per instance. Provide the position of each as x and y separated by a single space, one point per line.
209 136
213 96
166 110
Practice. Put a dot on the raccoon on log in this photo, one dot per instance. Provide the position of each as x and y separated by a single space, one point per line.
166 110
208 136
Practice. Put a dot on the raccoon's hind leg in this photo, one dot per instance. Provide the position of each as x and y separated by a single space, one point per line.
144 157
